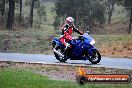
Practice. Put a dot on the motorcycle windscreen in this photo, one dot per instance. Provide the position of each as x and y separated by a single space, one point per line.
87 38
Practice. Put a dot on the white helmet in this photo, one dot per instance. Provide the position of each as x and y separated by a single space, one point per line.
70 21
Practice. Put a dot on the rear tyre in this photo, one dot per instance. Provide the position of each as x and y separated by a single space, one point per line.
95 57
58 57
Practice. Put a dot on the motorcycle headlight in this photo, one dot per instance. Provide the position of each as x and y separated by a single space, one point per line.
92 42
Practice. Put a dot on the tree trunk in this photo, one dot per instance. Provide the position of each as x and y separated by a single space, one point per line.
20 11
110 13
10 20
130 23
31 15
3 7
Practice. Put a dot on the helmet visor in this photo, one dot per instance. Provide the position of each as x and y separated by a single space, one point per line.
71 23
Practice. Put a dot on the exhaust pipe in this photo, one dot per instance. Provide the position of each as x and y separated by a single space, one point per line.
58 53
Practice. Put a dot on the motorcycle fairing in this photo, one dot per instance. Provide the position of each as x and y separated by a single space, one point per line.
78 47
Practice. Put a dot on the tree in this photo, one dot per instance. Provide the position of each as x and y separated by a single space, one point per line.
56 23
85 12
41 13
130 23
20 11
2 10
110 7
10 20
128 5
31 14
2 7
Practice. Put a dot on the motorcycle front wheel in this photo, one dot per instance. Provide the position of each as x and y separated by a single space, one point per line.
95 57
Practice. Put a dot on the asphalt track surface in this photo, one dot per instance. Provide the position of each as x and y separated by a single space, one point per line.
120 63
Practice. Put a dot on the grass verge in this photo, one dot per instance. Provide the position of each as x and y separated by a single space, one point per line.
115 45
22 75
21 78
39 41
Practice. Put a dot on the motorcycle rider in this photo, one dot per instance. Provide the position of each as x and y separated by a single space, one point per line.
67 32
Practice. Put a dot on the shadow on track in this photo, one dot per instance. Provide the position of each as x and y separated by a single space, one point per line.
76 63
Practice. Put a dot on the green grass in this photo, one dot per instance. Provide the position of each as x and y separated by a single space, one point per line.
113 38
109 40
18 78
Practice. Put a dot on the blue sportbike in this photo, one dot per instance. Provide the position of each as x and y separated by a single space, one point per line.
82 48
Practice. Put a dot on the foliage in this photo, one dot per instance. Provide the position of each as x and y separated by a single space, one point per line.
128 5
41 13
56 23
125 3
87 13
109 5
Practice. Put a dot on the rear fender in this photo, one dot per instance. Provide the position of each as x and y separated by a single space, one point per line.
56 41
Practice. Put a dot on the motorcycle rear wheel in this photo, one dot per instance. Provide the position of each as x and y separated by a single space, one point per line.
58 57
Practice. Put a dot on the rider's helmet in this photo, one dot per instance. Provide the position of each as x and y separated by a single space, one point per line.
69 21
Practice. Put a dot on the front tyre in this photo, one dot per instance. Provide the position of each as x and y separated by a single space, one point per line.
95 57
